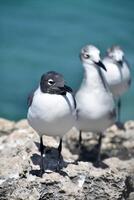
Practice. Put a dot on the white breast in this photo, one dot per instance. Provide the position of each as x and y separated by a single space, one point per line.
94 111
94 104
51 114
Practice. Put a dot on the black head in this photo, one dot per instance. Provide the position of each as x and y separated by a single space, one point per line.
53 83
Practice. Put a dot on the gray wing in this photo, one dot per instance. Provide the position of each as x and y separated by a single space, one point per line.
30 98
69 89
127 64
74 101
130 80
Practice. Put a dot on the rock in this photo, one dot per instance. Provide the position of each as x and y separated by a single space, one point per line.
129 124
22 124
131 197
78 178
6 126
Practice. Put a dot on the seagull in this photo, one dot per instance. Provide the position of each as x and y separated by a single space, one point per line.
95 103
118 75
51 109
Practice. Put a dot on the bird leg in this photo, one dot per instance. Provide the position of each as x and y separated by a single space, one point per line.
119 124
59 153
60 148
42 153
80 138
119 109
98 147
78 144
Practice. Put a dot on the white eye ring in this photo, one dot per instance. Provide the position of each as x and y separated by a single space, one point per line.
50 82
86 56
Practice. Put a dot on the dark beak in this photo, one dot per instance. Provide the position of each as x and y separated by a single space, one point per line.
120 62
65 89
100 64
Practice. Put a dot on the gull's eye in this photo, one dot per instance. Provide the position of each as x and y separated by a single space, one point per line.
51 82
86 56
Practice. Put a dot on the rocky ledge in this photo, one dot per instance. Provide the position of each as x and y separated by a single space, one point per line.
78 178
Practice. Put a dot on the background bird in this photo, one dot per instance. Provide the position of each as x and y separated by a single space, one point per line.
95 103
118 75
51 109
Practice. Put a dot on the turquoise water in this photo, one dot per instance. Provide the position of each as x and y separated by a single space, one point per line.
37 36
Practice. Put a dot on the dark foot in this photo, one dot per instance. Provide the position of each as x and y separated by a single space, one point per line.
100 164
120 125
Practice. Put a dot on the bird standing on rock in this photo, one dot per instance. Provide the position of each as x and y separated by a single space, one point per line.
118 75
95 103
51 109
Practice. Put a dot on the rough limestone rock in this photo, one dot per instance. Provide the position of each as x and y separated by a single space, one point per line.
77 178
6 126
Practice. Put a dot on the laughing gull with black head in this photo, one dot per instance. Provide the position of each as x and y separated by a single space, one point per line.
95 103
118 75
51 109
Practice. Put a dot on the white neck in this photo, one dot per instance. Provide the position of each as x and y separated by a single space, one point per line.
92 79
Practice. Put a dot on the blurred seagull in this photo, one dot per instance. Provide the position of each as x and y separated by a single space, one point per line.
95 103
118 75
51 109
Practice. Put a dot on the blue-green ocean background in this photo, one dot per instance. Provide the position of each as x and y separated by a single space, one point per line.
37 36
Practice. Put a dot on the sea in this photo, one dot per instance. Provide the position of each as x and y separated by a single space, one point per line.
39 36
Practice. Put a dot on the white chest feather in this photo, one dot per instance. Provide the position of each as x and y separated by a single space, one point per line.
94 104
51 114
